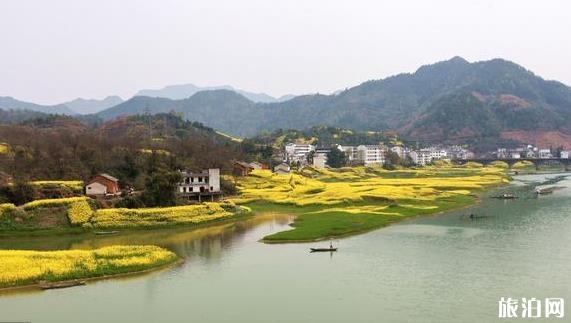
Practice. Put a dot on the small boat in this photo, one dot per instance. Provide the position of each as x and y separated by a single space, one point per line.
102 233
505 196
64 284
543 191
323 249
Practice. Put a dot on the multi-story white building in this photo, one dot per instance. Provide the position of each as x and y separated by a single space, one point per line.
297 152
544 153
370 154
195 183
421 157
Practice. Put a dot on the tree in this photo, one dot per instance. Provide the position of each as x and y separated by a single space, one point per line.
336 158
22 192
392 159
160 187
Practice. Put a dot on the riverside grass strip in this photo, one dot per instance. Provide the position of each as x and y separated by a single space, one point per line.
334 203
25 267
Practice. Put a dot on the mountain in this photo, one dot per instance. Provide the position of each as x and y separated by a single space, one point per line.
9 103
89 106
214 108
453 100
183 91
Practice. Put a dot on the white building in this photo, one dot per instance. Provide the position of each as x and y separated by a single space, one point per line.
544 153
298 152
515 155
370 155
564 154
436 153
193 183
350 152
320 161
421 157
282 168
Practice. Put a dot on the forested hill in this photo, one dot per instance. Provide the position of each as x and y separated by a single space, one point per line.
442 101
61 147
323 136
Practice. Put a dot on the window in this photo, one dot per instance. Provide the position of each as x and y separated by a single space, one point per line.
184 189
190 189
200 179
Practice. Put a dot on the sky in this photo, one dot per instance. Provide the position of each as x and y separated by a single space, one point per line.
58 50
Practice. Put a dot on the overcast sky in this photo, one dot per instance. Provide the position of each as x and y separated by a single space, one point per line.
57 50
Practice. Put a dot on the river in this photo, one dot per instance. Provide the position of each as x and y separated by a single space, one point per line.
444 268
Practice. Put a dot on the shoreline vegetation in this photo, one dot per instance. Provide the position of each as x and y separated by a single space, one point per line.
80 215
336 203
25 268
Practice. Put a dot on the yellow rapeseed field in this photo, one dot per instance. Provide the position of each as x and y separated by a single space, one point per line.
5 208
78 209
76 186
332 203
328 187
145 217
21 267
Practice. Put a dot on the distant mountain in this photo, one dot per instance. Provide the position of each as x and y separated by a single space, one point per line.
89 106
453 101
214 108
183 91
9 103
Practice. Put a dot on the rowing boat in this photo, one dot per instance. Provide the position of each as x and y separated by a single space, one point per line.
323 249
63 284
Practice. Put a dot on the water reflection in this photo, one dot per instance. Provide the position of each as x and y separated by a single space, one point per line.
208 242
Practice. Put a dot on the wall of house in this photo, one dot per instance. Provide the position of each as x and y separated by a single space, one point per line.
112 187
214 179
95 189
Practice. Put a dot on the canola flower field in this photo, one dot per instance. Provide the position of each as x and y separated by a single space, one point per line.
24 267
75 186
154 217
81 212
333 203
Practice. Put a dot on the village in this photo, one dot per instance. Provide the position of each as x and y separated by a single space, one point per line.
205 184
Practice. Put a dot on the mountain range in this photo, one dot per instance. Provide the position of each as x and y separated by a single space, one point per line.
92 106
9 103
183 91
89 106
452 100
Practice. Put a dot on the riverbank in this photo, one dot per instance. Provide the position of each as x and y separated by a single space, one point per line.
79 215
26 268
337 203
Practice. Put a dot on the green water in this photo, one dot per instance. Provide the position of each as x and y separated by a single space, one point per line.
445 268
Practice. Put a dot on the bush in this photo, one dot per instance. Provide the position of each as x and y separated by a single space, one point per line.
228 186
130 202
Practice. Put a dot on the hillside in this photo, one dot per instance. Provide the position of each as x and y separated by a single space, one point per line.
322 136
64 148
449 101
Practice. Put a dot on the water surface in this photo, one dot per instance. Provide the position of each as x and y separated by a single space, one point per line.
445 268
